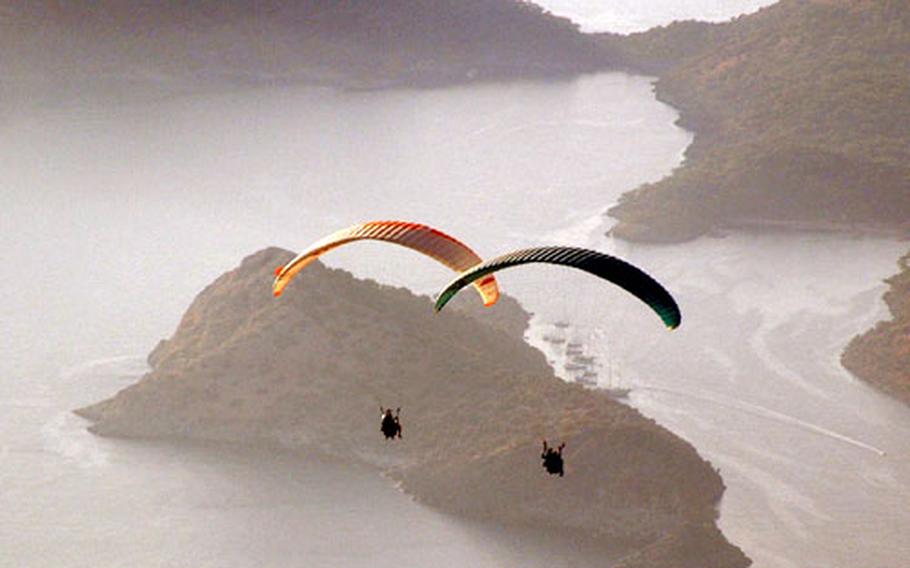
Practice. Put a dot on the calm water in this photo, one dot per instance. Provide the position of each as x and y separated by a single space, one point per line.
114 217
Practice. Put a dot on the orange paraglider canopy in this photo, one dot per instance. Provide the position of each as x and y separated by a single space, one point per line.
422 238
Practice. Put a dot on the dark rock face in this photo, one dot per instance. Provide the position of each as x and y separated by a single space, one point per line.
309 369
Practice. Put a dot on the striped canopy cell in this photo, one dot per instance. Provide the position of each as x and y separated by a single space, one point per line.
434 243
610 268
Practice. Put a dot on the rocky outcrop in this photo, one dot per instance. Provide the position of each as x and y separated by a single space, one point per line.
309 369
881 355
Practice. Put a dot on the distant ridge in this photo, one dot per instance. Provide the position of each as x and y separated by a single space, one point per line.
348 43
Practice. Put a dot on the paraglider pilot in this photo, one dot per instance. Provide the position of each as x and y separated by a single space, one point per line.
390 426
552 459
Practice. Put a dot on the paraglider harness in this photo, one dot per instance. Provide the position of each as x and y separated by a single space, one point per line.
552 459
390 426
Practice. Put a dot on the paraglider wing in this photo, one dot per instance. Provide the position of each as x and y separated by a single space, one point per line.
427 240
617 271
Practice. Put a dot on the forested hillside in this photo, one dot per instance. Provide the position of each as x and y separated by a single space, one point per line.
802 119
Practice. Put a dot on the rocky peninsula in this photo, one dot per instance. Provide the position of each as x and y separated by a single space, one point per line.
881 355
309 370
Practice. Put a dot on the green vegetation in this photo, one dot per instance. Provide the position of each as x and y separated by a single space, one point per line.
882 354
309 370
802 119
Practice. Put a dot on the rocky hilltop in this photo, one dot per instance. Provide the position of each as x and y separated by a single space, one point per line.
882 354
309 370
801 115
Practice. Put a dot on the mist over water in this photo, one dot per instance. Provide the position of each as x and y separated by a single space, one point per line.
116 215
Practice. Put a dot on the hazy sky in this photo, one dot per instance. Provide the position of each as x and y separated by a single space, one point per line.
625 16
